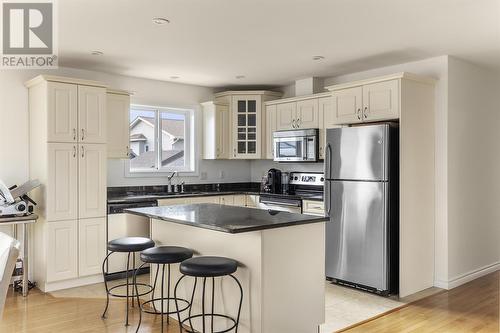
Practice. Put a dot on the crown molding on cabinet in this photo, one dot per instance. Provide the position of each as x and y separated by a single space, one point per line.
298 98
249 92
401 75
62 79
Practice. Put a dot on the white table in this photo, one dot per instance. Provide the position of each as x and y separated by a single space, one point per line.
24 221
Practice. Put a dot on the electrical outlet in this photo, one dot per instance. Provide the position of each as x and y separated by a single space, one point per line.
221 174
203 175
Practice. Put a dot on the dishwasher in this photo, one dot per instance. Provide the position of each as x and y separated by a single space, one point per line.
120 224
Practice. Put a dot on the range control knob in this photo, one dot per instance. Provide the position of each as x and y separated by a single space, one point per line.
295 178
322 179
21 207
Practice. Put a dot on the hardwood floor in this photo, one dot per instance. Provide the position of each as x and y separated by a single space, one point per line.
46 313
473 307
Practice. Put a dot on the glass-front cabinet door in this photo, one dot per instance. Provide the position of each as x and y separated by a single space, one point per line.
247 110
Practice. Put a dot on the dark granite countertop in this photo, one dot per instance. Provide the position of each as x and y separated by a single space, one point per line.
126 194
223 218
148 197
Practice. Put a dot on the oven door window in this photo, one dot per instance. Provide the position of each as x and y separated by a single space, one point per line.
289 148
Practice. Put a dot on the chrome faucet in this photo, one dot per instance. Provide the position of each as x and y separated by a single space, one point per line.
169 178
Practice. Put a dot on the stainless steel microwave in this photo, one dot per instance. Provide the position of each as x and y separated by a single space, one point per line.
296 145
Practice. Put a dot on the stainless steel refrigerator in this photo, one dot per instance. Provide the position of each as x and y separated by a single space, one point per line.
362 201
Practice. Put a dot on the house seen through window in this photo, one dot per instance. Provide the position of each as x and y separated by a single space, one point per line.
160 139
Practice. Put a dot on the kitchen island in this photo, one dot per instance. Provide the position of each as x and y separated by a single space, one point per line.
281 256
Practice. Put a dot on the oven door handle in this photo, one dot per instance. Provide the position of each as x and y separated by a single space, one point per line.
280 203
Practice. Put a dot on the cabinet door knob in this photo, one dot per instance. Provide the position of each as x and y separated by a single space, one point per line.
127 153
293 123
298 122
359 114
83 134
365 112
74 134
74 151
83 152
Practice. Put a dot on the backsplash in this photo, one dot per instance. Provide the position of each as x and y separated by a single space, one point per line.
259 168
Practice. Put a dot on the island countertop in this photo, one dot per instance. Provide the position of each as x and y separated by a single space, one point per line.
223 218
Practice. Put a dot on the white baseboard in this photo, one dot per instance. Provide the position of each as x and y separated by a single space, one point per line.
467 277
83 281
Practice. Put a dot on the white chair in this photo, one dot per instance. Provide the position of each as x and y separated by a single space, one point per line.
9 251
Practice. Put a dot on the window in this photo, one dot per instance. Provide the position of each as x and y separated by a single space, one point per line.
160 139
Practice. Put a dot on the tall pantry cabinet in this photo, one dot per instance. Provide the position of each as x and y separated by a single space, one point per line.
68 155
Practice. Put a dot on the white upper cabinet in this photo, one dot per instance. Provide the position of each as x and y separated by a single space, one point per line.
92 180
370 100
381 100
216 129
118 113
307 113
246 113
325 115
62 112
347 105
286 115
297 114
270 128
62 182
92 114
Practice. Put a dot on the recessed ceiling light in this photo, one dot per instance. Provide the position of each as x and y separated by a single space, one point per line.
160 20
240 77
318 57
96 53
173 77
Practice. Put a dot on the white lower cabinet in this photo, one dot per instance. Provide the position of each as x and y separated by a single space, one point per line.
227 200
92 245
252 200
239 200
62 250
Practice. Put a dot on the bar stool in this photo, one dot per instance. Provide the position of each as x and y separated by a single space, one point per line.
162 256
129 245
208 267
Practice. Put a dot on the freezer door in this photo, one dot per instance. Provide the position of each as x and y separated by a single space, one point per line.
356 237
357 153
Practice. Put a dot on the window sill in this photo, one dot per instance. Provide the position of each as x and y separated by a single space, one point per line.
148 174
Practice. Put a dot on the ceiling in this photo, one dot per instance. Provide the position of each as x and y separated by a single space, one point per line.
271 42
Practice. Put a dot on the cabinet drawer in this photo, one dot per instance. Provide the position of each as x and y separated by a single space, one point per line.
173 201
313 207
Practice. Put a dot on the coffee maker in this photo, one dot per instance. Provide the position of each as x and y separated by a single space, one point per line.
273 181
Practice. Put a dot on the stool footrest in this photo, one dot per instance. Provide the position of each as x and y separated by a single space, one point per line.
131 285
208 315
164 299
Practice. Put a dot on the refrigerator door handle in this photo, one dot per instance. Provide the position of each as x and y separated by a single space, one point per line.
328 165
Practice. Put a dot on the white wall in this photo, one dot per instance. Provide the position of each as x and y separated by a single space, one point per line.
473 171
14 123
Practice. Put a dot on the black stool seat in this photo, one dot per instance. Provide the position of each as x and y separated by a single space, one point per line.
130 244
207 266
166 254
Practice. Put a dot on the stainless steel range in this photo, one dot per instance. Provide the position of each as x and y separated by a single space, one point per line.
301 186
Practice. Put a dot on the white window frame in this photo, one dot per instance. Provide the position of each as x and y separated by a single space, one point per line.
189 140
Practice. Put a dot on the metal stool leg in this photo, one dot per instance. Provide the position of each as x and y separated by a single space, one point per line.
241 301
162 287
168 294
128 269
203 303
154 287
137 295
133 270
105 284
213 298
